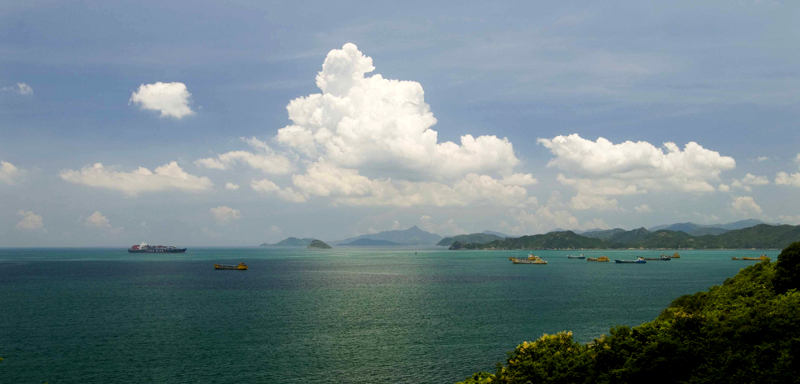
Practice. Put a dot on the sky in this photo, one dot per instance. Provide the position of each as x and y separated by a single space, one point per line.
242 122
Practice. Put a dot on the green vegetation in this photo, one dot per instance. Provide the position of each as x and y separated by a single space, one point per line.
475 238
318 244
760 236
552 240
291 242
745 331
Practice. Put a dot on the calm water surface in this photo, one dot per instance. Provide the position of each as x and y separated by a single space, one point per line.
345 315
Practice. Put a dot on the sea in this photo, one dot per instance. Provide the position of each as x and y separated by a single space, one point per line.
345 315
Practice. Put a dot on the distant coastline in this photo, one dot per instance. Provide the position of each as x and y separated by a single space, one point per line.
762 236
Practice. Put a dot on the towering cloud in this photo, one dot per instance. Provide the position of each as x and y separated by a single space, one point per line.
366 140
372 123
171 99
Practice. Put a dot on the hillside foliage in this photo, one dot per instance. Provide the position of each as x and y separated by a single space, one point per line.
760 237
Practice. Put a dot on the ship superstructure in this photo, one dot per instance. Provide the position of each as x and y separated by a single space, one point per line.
144 248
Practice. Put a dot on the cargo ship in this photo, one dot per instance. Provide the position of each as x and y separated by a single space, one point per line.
639 260
240 267
601 258
663 257
762 257
144 248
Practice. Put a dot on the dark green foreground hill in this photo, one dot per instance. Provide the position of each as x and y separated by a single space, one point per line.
745 331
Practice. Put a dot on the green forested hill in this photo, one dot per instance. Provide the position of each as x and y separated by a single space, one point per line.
477 238
761 236
552 240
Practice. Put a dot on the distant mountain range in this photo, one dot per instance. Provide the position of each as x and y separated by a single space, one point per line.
761 236
369 243
713 229
411 236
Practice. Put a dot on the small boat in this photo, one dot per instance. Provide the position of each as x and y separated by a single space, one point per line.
601 258
663 257
532 259
760 258
676 255
581 256
240 267
639 260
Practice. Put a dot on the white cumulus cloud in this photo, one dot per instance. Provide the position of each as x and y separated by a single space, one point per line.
21 88
644 208
224 214
749 180
166 177
349 187
8 172
265 160
267 187
598 169
29 220
171 99
639 163
367 140
231 186
785 178
368 122
97 220
745 205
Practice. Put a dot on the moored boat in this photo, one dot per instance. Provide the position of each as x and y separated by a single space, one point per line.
581 257
760 258
240 267
663 257
676 255
532 259
639 260
601 258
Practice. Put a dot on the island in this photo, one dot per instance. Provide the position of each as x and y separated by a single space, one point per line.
290 242
318 244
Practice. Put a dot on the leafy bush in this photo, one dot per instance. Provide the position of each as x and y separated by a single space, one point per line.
788 269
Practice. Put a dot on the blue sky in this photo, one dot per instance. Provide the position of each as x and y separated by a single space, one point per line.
535 85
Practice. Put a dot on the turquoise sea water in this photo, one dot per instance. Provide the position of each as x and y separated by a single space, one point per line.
345 315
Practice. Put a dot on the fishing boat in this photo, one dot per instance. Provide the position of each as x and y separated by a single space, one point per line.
760 258
240 267
676 255
663 257
581 257
532 259
601 258
639 260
